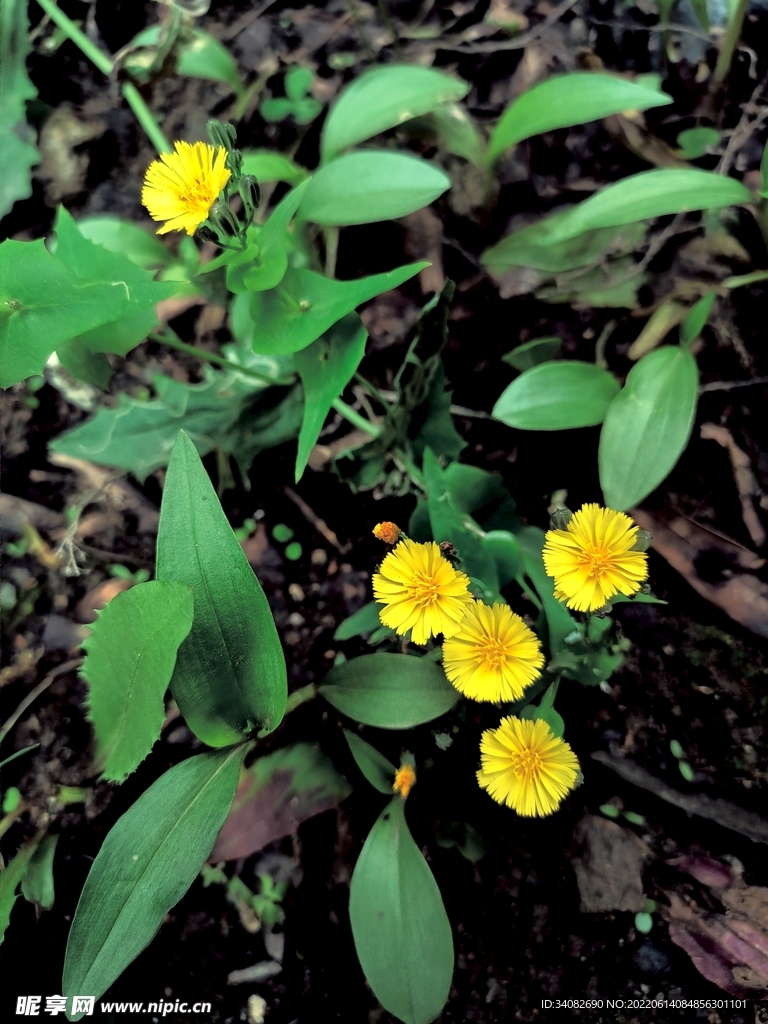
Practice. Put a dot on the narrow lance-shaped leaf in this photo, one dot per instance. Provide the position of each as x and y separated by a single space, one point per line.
149 859
383 98
377 769
560 623
567 100
306 304
230 677
390 691
557 396
326 367
130 658
401 931
647 426
10 879
37 884
369 186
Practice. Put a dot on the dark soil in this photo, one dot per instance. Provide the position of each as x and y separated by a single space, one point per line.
691 673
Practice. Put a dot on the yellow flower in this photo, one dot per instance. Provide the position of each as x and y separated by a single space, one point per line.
181 187
421 591
405 779
526 767
494 656
591 560
388 532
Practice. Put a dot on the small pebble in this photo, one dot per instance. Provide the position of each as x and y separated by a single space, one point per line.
296 592
318 557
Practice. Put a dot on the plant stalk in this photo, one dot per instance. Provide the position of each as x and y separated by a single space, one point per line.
730 42
354 417
211 357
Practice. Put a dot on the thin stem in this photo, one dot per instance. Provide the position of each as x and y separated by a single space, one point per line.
298 697
354 417
146 118
210 357
331 250
730 42
105 64
371 389
741 279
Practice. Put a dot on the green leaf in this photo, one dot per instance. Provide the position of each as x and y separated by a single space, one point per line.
206 57
84 364
651 194
557 396
567 100
383 98
44 303
298 82
17 151
230 677
121 236
306 304
375 767
364 620
701 12
272 260
695 318
647 426
560 623
694 142
371 185
275 794
10 879
401 931
540 350
267 166
390 691
147 862
503 547
130 658
228 411
326 367
539 247
458 132
37 883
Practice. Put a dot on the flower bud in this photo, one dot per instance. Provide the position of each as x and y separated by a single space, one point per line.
388 532
560 518
250 193
206 234
223 135
642 541
223 219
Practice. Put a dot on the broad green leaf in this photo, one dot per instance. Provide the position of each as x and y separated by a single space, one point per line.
383 98
375 767
130 656
228 411
694 142
459 133
696 317
567 100
44 303
651 194
560 623
371 185
230 677
611 285
364 620
206 57
147 862
84 364
538 246
401 931
10 879
647 426
326 367
267 166
275 794
37 883
390 691
557 396
18 153
503 547
121 236
272 260
540 350
306 304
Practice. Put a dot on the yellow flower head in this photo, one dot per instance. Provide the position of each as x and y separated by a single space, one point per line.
405 779
421 591
591 560
527 767
181 187
388 532
494 655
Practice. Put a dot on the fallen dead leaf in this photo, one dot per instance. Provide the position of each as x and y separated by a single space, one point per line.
95 599
424 241
63 167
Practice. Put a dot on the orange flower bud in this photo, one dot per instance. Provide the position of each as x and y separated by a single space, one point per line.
404 780
388 532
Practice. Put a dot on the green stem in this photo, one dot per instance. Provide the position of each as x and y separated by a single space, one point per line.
146 118
331 250
741 279
371 389
354 417
210 357
301 696
104 63
730 42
